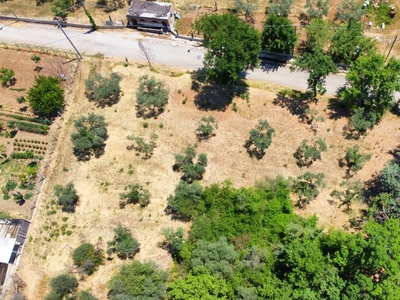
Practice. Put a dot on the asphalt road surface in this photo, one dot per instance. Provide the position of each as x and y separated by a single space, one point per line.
167 50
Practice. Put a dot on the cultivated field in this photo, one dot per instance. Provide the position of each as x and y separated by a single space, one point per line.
54 234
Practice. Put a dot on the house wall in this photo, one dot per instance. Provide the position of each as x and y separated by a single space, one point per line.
153 22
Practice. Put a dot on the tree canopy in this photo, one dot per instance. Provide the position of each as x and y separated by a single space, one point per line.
62 286
318 65
151 97
123 244
67 196
280 7
46 96
232 46
90 136
371 84
247 243
138 281
104 90
260 139
349 42
279 34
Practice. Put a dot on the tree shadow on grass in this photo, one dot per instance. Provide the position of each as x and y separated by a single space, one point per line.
298 103
212 96
336 109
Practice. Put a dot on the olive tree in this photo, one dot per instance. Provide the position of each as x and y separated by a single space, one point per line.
123 244
307 153
186 163
104 90
206 128
151 97
67 196
89 136
260 139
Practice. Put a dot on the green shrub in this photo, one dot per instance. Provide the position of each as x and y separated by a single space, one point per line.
29 127
260 139
135 194
35 58
123 244
206 128
11 185
306 153
185 163
66 196
87 258
23 155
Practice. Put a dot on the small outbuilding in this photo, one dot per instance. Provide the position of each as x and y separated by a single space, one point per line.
151 14
12 238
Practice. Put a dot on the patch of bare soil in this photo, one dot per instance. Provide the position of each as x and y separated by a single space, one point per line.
99 181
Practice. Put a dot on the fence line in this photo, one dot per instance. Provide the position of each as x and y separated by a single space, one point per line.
66 24
39 49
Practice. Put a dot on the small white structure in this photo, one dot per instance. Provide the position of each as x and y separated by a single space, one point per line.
12 238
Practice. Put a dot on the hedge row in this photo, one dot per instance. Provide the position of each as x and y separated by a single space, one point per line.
29 127
25 118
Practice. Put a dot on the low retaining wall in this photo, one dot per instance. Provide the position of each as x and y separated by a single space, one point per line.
64 24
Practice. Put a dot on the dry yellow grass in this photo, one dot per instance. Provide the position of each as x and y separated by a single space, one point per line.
99 181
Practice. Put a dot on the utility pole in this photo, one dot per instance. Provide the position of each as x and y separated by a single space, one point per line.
394 41
59 26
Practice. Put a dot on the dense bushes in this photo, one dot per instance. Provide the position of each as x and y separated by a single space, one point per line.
138 281
249 244
87 258
23 155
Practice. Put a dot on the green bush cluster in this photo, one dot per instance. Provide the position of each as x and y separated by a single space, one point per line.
87 258
29 127
25 118
307 153
185 163
135 193
28 154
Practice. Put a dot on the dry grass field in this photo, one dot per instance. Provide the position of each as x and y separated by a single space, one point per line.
54 234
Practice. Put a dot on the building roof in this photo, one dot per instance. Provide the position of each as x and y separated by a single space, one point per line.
149 9
12 236
6 249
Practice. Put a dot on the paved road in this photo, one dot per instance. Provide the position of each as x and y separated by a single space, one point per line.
166 50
